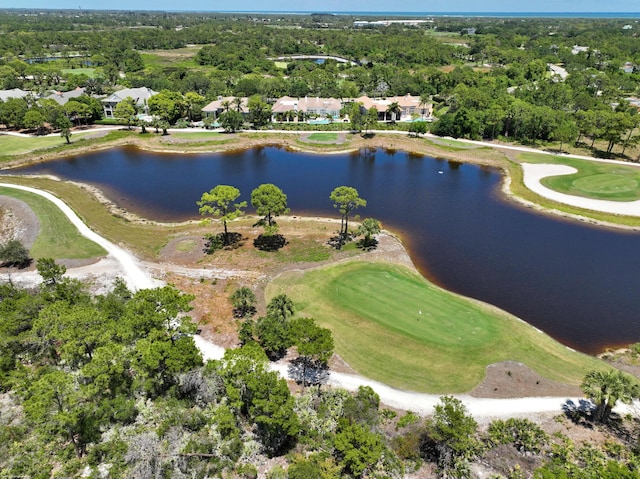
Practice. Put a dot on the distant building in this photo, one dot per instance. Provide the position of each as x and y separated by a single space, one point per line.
410 107
558 71
14 93
222 104
628 67
578 49
63 97
139 96
314 106
386 23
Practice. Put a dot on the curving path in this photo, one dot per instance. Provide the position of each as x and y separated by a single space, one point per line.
533 173
481 408
135 276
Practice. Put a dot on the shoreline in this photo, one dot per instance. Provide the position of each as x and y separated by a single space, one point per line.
499 156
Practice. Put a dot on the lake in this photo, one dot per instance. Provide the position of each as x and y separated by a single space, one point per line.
578 283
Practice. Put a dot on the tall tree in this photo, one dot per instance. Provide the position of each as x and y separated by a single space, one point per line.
126 110
394 110
243 301
231 120
259 111
269 201
65 128
452 437
346 200
219 202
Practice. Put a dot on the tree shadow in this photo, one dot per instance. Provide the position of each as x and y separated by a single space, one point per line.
215 242
367 244
270 242
307 372
21 264
337 241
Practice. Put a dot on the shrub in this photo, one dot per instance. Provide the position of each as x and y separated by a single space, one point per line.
14 253
525 435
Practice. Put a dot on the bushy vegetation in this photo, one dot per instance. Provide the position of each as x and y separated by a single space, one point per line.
493 83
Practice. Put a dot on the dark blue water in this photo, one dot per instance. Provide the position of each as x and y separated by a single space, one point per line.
578 283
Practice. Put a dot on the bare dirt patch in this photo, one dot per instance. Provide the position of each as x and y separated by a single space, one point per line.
510 379
17 221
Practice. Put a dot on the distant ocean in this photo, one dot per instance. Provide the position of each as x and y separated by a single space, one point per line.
468 14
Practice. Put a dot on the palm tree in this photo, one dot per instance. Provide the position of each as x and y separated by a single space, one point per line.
425 99
226 104
280 307
606 388
243 300
238 103
395 110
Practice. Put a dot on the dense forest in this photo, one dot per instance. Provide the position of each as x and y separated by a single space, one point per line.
112 385
487 78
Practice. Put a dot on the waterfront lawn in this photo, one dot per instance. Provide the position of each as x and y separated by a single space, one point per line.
392 325
197 135
594 179
144 239
17 145
58 238
323 137
90 72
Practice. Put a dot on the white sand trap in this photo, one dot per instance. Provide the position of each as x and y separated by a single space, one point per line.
533 173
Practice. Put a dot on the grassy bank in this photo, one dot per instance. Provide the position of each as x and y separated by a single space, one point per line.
58 237
414 335
143 239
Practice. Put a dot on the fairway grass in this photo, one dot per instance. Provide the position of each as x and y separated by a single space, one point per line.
198 135
392 325
58 238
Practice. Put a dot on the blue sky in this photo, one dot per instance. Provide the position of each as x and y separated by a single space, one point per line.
427 6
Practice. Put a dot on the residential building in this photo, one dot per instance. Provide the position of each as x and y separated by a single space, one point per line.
222 104
14 93
310 107
63 97
139 96
410 107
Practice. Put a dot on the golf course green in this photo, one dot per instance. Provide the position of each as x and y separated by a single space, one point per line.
392 325
594 179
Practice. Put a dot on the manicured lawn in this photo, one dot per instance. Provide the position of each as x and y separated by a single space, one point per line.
392 325
90 72
58 238
198 135
599 180
16 145
323 137
451 145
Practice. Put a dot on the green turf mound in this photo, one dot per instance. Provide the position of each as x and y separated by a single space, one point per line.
605 184
392 325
